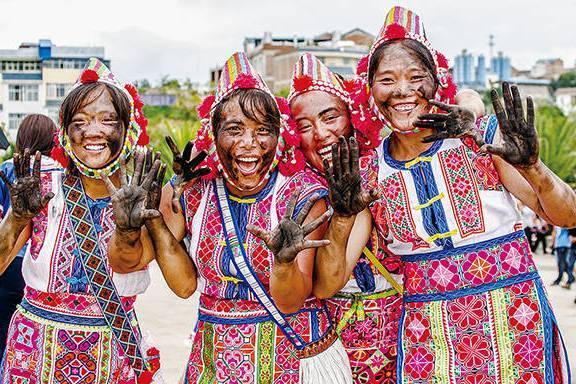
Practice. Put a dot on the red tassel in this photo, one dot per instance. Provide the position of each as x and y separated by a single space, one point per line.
449 92
302 83
283 106
349 85
395 31
138 103
204 108
245 81
89 76
362 66
59 155
442 62
293 162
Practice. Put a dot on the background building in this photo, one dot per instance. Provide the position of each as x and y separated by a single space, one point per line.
274 57
35 77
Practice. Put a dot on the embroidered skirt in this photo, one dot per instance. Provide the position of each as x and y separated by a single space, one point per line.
478 314
236 342
56 346
368 327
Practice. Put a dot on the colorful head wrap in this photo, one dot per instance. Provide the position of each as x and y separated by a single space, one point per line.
238 73
402 23
310 74
96 72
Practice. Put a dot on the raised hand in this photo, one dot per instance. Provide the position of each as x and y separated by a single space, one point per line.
185 169
155 191
347 196
130 200
520 146
25 194
288 238
457 123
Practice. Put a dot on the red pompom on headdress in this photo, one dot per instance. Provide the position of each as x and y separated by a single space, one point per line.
395 31
302 83
442 62
89 76
205 107
362 66
290 134
143 139
245 81
293 161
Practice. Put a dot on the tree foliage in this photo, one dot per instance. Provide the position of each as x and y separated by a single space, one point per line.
565 80
557 141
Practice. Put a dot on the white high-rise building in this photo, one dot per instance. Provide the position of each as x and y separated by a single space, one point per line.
35 77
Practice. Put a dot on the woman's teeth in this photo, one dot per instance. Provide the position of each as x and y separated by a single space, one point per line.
404 107
95 147
326 152
247 165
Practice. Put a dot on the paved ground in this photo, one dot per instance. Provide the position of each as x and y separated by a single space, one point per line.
170 320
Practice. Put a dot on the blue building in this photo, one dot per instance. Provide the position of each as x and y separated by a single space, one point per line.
501 67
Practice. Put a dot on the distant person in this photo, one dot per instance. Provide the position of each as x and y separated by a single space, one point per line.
541 230
528 216
561 246
35 132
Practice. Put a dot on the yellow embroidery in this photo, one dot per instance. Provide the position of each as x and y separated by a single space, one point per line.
242 201
430 202
444 235
412 163
231 279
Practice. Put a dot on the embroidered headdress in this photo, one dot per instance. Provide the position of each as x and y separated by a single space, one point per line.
96 72
310 74
238 73
402 23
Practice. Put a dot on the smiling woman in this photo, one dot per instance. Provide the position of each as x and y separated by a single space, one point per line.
96 117
76 322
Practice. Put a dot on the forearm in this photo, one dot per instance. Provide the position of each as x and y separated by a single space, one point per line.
125 250
288 286
10 229
176 266
556 200
330 272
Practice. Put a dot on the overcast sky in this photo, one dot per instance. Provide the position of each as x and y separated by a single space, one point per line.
185 38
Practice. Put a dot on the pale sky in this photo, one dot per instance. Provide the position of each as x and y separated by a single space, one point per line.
185 38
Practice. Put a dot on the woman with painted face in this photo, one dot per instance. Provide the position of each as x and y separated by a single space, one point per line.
474 306
363 289
76 323
252 224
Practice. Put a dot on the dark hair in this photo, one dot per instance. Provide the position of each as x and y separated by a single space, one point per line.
415 48
84 95
36 133
255 104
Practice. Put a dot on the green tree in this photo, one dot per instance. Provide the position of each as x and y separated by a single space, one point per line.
565 80
557 141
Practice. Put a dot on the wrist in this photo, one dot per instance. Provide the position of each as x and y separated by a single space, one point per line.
154 223
531 169
18 220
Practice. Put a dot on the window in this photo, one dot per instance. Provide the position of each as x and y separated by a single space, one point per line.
14 120
21 92
55 91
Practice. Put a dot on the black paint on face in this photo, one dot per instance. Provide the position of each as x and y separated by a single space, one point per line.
321 119
245 147
402 87
96 132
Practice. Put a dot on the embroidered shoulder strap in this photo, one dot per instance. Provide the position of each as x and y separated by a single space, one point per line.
383 271
242 264
95 267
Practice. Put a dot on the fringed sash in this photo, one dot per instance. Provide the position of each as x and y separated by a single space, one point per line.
242 264
95 266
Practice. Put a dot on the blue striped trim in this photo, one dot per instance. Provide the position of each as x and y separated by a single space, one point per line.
61 318
444 253
400 343
491 129
426 297
244 320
